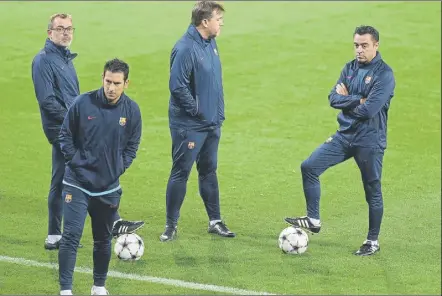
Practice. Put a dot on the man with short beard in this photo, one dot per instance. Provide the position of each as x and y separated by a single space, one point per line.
363 93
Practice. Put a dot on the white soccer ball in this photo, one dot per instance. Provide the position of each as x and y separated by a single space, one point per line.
293 240
129 247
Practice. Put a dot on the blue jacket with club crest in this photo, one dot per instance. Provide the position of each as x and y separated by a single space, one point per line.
56 86
364 125
196 90
99 141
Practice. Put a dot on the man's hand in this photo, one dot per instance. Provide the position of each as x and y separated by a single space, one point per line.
362 101
341 89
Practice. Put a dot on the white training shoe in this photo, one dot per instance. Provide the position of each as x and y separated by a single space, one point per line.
66 292
99 291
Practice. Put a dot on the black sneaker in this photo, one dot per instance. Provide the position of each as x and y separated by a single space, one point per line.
368 248
305 223
221 229
170 233
56 245
124 227
52 246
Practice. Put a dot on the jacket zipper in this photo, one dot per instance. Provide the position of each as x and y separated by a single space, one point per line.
216 81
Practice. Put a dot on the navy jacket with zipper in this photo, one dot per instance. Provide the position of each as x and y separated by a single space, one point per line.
364 125
99 141
196 90
56 86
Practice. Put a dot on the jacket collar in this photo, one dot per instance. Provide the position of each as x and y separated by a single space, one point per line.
195 35
62 51
376 59
103 100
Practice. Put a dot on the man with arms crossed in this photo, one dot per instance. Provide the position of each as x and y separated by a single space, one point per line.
363 94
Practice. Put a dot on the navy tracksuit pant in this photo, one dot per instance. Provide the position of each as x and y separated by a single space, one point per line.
335 151
102 210
189 147
55 200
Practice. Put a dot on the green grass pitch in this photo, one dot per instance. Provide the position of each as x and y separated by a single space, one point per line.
280 59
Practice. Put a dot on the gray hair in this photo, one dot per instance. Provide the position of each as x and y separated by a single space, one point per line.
58 15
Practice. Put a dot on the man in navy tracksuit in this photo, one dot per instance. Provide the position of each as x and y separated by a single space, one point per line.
56 86
196 113
363 94
99 139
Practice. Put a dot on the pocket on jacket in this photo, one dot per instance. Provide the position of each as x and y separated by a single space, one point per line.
183 133
175 109
76 160
122 168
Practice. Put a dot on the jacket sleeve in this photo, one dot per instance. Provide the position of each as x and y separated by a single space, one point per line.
381 92
130 151
341 102
68 132
43 79
179 83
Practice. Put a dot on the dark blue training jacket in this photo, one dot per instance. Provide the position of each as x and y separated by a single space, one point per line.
364 125
99 141
55 84
196 89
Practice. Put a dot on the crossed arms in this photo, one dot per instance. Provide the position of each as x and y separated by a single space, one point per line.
358 106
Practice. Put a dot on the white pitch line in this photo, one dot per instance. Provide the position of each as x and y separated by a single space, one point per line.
136 277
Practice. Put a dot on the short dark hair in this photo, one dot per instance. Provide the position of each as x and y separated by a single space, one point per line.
362 30
115 66
204 10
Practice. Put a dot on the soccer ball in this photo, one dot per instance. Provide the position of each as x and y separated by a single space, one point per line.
293 240
129 247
